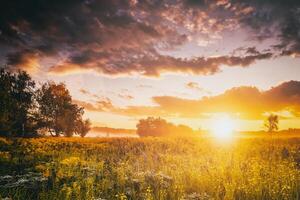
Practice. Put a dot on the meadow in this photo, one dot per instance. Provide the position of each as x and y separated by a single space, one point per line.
149 168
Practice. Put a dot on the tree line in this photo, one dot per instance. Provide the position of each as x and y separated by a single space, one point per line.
27 110
152 126
157 127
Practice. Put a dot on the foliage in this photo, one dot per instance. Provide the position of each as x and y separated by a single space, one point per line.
57 113
160 127
25 110
149 168
16 103
272 123
82 127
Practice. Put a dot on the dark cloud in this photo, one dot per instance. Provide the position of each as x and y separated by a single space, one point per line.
277 19
27 60
153 64
196 3
127 36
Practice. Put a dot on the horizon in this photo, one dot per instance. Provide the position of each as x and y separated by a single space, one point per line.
189 62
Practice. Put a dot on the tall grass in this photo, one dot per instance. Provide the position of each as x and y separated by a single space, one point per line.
149 168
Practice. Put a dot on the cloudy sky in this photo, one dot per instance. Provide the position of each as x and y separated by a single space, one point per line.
184 60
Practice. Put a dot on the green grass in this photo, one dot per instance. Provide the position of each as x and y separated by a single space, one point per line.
149 168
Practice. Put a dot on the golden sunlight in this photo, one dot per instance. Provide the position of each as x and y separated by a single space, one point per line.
222 127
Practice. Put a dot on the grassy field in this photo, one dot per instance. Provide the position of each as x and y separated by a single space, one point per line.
149 168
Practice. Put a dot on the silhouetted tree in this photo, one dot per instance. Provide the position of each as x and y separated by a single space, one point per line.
272 123
82 127
160 127
152 127
57 113
24 110
16 103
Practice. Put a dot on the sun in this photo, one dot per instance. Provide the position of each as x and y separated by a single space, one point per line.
222 127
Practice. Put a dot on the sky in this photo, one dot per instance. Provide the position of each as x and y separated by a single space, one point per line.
187 61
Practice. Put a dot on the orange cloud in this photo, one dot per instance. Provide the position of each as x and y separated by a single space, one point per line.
88 106
245 102
64 69
104 105
27 60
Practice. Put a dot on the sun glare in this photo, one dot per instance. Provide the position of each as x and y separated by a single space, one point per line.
222 127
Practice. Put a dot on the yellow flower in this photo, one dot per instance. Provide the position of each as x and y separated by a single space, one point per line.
71 161
4 155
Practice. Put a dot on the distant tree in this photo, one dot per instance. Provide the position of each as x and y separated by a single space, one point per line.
152 127
57 113
16 103
160 127
82 127
272 123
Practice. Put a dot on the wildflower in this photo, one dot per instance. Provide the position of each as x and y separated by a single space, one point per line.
70 161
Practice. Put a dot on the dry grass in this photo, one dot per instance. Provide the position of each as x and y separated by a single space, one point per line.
149 168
